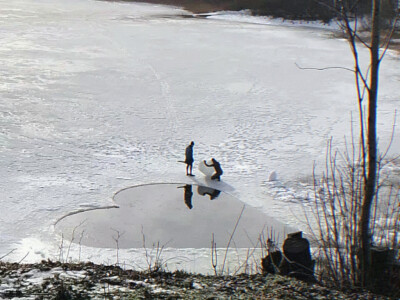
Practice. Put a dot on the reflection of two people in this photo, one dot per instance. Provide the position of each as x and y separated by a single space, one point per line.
201 190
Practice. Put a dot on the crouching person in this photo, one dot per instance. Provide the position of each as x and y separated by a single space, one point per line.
217 168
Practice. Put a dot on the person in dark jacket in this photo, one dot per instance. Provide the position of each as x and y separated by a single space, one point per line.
189 159
217 168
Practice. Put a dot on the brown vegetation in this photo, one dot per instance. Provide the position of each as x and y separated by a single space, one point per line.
54 280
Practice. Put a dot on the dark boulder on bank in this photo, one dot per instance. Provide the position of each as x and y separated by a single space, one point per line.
295 261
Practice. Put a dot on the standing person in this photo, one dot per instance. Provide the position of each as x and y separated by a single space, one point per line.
217 168
189 159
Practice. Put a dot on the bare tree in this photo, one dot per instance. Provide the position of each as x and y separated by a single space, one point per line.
377 41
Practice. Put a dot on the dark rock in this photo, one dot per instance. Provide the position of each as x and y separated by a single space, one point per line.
270 263
386 271
297 261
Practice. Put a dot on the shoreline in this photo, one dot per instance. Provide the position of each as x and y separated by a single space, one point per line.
55 280
197 7
204 9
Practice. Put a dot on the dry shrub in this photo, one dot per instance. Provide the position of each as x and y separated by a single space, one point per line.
336 216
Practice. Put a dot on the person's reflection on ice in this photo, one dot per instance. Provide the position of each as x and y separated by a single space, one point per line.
187 195
213 193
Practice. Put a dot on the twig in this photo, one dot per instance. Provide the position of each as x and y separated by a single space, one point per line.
117 242
323 69
23 258
231 237
214 255
8 253
80 245
60 256
73 238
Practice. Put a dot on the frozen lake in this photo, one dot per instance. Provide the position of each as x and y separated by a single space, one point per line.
98 96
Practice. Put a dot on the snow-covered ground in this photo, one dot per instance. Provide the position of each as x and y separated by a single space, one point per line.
99 96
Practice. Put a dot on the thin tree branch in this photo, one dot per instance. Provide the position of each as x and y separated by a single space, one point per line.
323 69
391 138
7 254
389 38
352 34
231 237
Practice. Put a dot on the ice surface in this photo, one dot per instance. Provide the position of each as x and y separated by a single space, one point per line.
99 96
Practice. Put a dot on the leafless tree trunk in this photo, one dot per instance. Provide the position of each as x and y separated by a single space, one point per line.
367 83
371 163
